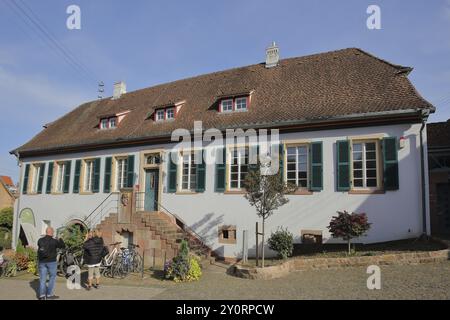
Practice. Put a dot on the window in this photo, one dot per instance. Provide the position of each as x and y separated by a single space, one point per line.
88 185
227 105
121 169
60 177
227 234
160 114
112 123
104 124
241 104
35 180
170 113
297 165
364 164
189 172
238 167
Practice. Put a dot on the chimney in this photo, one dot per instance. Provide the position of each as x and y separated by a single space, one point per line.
272 56
120 88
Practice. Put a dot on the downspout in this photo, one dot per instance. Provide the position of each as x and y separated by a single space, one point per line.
422 171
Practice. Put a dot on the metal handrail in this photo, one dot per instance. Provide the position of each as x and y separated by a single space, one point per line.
94 212
183 226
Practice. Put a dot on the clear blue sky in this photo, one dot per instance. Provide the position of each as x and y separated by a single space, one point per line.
151 42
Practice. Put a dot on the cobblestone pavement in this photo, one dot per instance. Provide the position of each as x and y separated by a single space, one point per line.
425 281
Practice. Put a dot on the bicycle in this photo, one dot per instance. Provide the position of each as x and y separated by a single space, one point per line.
136 259
67 258
111 264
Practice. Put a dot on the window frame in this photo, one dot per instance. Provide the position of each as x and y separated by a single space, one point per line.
286 146
192 184
236 104
167 113
86 176
104 123
226 110
110 121
378 165
157 113
117 177
60 177
229 163
231 230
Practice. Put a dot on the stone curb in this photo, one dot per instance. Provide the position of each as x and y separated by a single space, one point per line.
302 264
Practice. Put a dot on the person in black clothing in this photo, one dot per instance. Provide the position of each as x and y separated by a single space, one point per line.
47 252
93 255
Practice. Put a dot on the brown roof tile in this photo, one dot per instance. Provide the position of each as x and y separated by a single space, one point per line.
438 134
320 86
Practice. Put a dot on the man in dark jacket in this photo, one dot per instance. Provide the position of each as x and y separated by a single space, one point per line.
47 252
93 255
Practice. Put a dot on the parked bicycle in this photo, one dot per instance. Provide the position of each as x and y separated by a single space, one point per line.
68 257
121 261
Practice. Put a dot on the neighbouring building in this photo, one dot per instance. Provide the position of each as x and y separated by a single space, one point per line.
350 137
439 172
8 192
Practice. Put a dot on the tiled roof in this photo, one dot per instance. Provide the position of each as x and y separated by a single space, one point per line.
7 180
320 86
438 135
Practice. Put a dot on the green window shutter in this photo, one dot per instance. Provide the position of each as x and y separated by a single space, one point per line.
316 161
171 174
48 188
97 169
281 160
390 163
76 178
343 165
41 178
107 177
201 175
220 184
130 172
67 176
25 179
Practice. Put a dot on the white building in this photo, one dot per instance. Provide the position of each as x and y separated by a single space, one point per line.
351 131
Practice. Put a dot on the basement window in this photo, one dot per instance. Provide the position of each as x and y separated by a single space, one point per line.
227 234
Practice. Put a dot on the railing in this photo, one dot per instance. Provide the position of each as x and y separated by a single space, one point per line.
140 206
104 209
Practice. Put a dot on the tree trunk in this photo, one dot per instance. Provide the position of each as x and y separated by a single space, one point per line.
349 246
262 242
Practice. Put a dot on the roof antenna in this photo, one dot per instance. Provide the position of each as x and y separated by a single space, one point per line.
101 90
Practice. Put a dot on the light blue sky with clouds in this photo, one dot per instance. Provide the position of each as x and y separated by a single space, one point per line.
149 42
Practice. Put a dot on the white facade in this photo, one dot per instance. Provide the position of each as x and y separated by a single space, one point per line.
394 214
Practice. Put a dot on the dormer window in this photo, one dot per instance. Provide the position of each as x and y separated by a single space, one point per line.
160 115
112 123
170 113
104 124
241 104
237 104
227 105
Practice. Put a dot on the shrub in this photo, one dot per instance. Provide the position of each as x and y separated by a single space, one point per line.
21 260
184 267
6 218
32 267
5 238
348 226
73 236
282 241
20 248
11 269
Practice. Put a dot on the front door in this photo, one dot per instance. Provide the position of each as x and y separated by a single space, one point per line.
151 189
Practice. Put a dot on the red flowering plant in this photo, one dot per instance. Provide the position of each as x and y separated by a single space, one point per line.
348 226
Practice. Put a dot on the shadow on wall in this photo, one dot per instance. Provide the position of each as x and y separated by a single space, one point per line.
208 227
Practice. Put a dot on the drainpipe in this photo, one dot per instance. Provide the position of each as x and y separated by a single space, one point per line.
425 114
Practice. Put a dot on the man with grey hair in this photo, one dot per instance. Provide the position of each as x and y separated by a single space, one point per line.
47 252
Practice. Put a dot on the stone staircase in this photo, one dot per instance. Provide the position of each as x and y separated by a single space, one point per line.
158 235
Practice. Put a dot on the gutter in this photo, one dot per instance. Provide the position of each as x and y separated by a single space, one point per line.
296 125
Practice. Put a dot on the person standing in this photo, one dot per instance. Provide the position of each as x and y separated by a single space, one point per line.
47 265
94 249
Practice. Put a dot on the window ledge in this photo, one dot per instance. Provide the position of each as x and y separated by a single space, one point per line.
227 241
186 192
380 191
85 193
235 192
302 193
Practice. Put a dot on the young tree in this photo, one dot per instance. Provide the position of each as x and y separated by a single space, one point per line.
266 193
348 226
